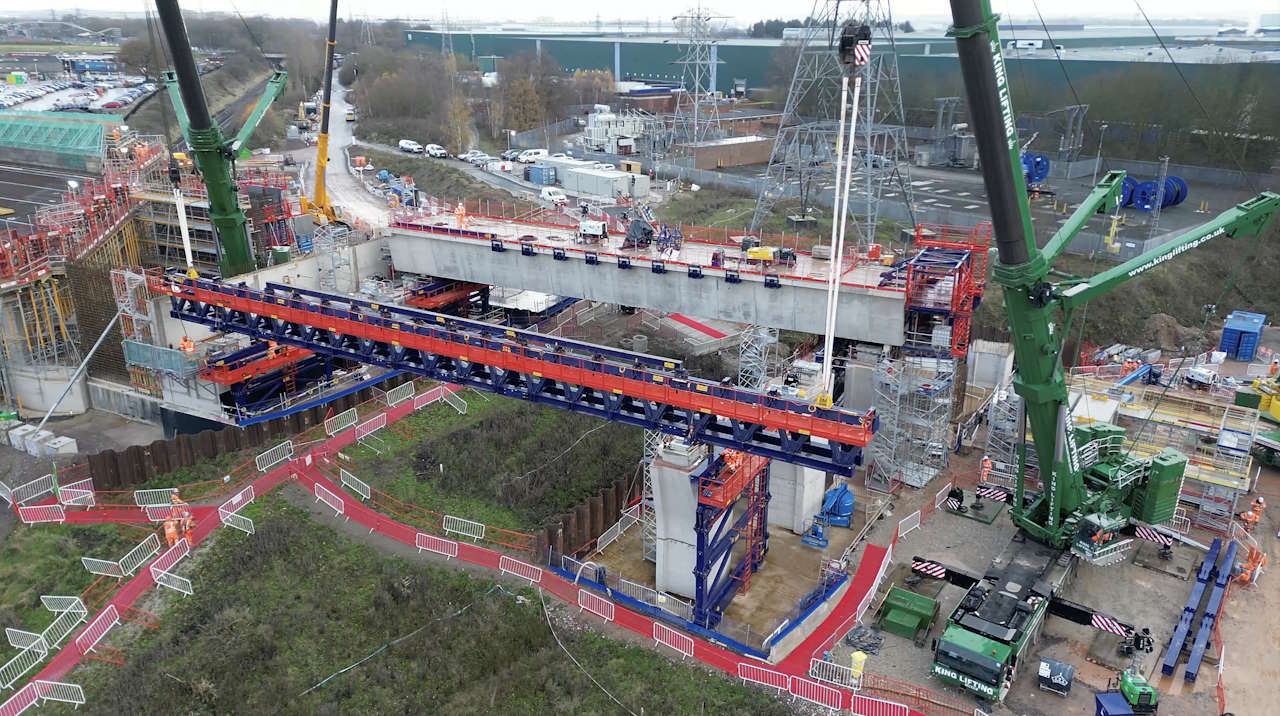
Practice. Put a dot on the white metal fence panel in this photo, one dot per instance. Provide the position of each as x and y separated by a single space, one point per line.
36 514
60 691
78 493
21 664
55 603
274 456
815 692
20 639
341 421
238 500
36 488
399 394
439 545
833 673
174 582
422 400
466 528
861 705
355 484
171 557
138 556
154 498
97 629
6 492
596 604
454 401
908 523
158 513
62 626
941 496
608 536
667 636
240 522
520 569
105 567
765 677
21 700
333 501
371 426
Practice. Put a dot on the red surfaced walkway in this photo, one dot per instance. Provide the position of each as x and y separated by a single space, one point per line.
304 468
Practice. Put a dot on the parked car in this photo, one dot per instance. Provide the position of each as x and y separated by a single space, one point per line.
437 151
409 146
559 155
467 155
553 194
605 167
479 159
510 155
529 156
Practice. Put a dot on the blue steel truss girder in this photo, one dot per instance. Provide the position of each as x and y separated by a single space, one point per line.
778 444
713 591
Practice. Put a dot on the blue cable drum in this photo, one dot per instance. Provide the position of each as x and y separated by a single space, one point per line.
1172 193
1127 189
1144 196
1182 188
1035 167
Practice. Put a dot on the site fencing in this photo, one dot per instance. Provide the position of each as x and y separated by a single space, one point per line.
596 604
514 567
36 514
228 512
355 484
334 502
38 487
154 498
446 547
665 635
78 494
341 421
97 629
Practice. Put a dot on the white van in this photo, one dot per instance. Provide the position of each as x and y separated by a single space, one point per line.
529 156
437 151
553 194
409 146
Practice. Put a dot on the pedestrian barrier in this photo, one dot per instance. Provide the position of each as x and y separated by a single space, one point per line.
60 691
31 490
365 433
37 514
453 400
341 421
815 692
908 523
520 569
21 664
439 545
79 493
6 492
22 699
227 511
174 582
941 496
355 484
138 556
171 556
862 705
97 629
330 499
154 498
274 456
399 394
158 513
833 673
466 528
667 636
56 603
422 400
20 639
64 622
596 604
762 676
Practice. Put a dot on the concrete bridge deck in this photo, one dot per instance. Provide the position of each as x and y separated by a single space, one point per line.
549 258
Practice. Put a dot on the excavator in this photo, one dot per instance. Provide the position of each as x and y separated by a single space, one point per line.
1093 490
318 205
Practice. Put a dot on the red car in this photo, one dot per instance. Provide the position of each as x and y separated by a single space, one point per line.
112 105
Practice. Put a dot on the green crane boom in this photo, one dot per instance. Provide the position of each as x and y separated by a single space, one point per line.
212 153
1035 305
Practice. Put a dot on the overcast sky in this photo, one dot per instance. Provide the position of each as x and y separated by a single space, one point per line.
741 10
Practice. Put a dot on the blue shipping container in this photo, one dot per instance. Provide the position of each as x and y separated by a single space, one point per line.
542 174
1111 703
1242 334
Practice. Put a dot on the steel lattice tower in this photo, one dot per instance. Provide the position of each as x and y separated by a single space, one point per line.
697 114
804 152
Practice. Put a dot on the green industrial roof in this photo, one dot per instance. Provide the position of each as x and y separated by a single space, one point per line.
59 132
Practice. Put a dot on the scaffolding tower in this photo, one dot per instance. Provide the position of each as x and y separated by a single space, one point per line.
336 273
913 399
803 152
756 349
653 440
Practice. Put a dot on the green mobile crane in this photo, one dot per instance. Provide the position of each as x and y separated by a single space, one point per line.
213 154
1092 487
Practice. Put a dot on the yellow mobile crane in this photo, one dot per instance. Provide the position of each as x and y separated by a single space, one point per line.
318 206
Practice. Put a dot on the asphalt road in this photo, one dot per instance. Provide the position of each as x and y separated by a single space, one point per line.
25 189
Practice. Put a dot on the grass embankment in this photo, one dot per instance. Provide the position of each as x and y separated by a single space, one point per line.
45 559
221 89
506 463
441 178
277 612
